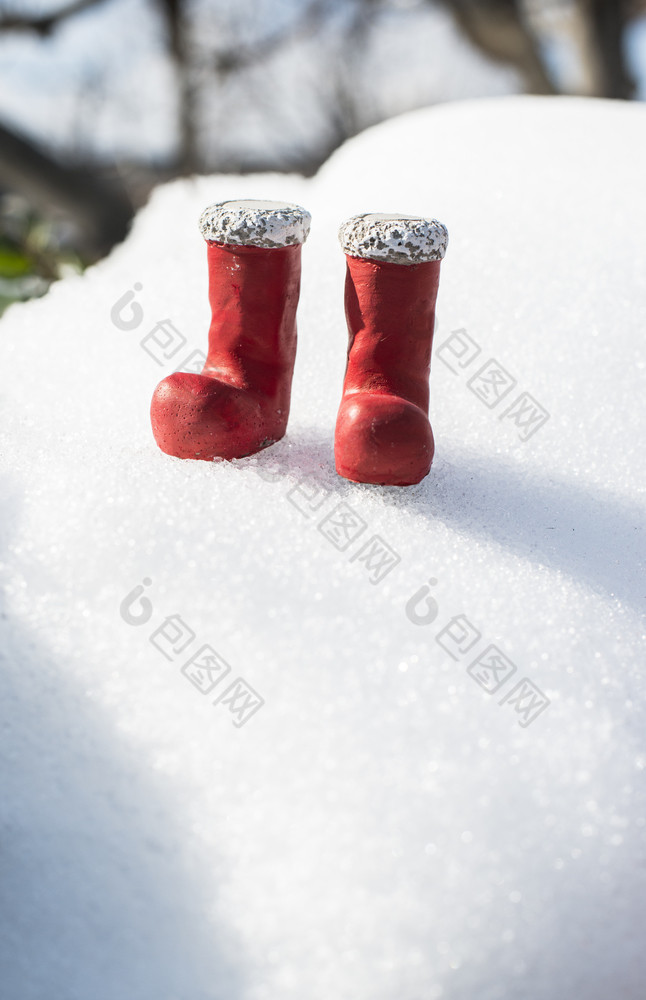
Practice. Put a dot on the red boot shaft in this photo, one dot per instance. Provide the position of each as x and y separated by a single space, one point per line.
253 294
390 311
383 435
240 402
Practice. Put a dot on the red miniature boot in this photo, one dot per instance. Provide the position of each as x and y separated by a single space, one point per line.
240 402
383 434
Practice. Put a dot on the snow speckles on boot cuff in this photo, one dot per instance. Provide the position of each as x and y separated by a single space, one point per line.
255 223
398 239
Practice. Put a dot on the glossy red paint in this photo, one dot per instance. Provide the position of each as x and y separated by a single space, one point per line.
239 404
383 434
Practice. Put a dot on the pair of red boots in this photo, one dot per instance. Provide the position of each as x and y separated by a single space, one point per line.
239 404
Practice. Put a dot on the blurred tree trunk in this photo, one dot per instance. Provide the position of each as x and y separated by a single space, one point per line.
189 154
608 20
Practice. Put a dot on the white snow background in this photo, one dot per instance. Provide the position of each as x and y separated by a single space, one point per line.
382 828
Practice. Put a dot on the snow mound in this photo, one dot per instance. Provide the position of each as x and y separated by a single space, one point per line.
269 734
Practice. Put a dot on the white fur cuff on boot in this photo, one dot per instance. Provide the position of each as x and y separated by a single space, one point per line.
398 239
255 223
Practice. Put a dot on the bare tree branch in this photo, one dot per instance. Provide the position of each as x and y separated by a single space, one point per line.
44 24
498 28
311 18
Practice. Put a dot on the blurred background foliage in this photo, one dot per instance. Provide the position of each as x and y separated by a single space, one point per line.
100 100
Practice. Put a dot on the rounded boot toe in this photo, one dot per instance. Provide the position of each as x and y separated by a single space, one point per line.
382 439
200 417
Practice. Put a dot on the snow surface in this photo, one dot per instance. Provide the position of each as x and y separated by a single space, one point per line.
382 827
